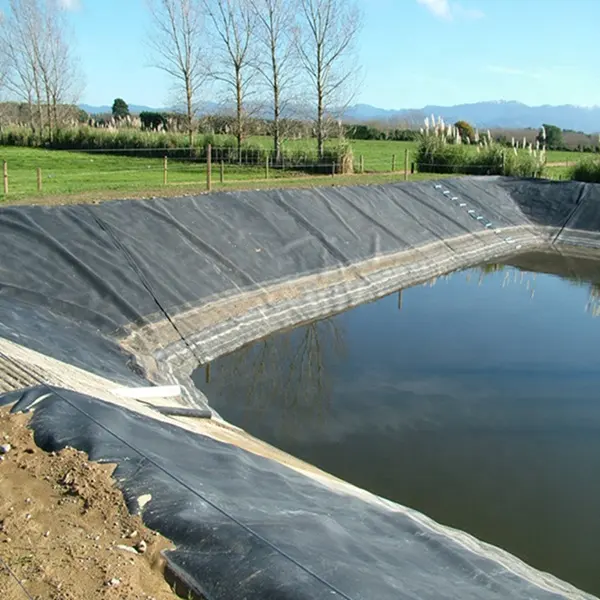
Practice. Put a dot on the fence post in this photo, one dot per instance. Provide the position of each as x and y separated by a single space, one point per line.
406 154
333 169
165 168
222 178
362 164
267 167
393 162
5 169
208 168
503 162
39 179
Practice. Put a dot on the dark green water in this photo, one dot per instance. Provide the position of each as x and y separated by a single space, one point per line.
477 402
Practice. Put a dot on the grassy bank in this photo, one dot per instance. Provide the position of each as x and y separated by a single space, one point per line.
79 176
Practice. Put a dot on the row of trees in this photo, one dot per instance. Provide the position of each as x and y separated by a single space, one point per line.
288 53
245 46
37 64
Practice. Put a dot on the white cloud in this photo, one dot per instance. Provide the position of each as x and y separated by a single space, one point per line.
70 4
444 9
439 8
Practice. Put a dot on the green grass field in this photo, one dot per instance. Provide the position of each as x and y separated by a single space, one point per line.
88 176
378 153
78 176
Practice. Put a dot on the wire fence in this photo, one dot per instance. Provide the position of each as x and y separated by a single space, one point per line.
151 168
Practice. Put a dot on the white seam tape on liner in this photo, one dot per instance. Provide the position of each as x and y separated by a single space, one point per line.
139 393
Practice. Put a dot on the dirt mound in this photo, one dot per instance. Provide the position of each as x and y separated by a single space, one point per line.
65 532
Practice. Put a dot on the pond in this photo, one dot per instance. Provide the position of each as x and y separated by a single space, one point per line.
474 398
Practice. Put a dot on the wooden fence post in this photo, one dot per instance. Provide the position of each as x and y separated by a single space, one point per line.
333 169
267 167
39 179
165 168
393 162
5 168
208 168
362 164
222 179
406 154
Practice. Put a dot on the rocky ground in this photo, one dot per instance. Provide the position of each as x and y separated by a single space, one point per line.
65 532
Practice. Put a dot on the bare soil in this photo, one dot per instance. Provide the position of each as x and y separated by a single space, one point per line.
62 521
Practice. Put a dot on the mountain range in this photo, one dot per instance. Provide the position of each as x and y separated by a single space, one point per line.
495 114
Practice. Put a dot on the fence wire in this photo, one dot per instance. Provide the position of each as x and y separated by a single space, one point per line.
92 170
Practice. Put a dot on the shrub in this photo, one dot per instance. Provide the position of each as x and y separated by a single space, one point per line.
586 170
442 152
153 121
466 130
436 155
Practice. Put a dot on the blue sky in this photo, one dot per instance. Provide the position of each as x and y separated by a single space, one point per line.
413 52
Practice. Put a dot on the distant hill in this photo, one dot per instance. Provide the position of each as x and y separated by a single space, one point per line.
501 114
497 114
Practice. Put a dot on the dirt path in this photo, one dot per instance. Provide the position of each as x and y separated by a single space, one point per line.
61 524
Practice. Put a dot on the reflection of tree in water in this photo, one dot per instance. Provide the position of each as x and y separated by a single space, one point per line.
529 278
286 373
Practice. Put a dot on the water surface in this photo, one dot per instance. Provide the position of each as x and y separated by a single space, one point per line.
474 399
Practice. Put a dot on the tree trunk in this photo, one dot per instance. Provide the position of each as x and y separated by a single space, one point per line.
320 132
31 115
49 111
276 109
276 133
55 111
239 116
190 111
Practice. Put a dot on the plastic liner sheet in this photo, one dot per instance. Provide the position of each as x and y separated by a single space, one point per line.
245 526
118 288
141 292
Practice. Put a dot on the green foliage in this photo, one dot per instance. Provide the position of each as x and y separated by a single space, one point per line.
554 137
524 164
586 170
363 132
466 130
436 155
120 109
370 132
153 121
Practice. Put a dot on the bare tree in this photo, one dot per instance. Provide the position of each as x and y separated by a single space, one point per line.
275 33
177 45
63 76
40 67
326 36
234 23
